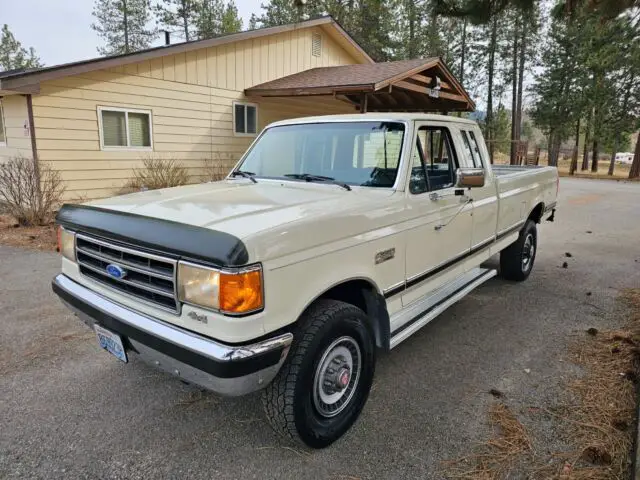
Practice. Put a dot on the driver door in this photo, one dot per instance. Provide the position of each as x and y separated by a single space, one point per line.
439 235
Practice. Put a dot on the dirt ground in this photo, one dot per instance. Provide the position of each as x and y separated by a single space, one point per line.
38 238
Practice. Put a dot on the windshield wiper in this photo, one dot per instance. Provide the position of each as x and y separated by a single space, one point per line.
317 178
240 173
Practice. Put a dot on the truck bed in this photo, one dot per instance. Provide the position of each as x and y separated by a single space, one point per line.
504 170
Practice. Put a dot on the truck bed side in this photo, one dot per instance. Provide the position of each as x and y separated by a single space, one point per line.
521 190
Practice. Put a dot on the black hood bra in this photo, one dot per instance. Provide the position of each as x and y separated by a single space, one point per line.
188 242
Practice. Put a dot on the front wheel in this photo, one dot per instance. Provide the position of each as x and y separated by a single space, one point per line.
325 381
516 261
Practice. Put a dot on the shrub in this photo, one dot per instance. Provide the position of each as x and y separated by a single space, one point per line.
215 169
157 172
29 191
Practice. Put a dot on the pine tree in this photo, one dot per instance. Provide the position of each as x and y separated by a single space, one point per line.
369 22
231 21
215 18
122 24
13 55
178 14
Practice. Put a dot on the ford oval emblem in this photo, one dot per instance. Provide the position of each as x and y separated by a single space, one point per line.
116 271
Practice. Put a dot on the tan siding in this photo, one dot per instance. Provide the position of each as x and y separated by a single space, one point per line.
180 65
239 70
190 97
18 140
192 67
156 68
202 58
230 66
144 68
168 71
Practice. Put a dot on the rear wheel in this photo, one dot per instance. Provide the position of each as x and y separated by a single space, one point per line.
516 261
325 381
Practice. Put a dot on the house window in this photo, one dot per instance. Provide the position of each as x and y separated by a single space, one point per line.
245 118
3 134
122 128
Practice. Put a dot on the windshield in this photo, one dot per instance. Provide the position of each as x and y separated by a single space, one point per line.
355 153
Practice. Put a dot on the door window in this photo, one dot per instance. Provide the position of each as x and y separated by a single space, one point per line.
434 163
471 153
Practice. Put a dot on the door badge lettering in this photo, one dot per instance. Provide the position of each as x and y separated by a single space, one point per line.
385 255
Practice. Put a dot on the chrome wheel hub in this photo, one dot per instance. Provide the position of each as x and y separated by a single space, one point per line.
528 252
337 376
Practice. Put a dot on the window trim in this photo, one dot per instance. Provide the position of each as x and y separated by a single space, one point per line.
127 147
4 126
245 105
454 155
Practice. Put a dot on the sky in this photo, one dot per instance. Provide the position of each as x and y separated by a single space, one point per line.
60 30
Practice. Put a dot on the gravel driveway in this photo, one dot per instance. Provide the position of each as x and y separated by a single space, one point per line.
68 409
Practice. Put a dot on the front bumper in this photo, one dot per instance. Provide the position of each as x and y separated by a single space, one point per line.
225 369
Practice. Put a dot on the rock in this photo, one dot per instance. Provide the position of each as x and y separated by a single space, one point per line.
496 393
527 370
568 254
588 294
592 331
589 231
565 265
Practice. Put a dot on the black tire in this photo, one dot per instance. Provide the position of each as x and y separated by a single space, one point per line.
292 405
516 261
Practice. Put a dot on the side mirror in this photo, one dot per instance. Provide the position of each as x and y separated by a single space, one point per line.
470 177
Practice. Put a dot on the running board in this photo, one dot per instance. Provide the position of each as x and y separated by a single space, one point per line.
422 311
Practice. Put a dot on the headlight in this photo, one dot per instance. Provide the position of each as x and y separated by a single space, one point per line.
229 292
67 243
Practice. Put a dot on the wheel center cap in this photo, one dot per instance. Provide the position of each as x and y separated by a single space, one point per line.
342 378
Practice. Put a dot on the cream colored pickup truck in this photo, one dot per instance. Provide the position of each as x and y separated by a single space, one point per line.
333 237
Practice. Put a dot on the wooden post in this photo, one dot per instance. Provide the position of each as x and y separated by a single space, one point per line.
363 103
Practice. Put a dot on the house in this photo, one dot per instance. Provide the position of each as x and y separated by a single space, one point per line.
201 101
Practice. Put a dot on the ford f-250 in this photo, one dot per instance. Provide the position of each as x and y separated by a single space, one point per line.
331 238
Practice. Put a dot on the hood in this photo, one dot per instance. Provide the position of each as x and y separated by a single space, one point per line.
240 207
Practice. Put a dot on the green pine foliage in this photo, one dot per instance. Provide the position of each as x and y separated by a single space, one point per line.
214 17
13 55
123 25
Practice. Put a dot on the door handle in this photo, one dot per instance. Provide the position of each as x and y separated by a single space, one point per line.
435 196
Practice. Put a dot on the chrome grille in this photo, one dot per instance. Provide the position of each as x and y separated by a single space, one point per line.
150 278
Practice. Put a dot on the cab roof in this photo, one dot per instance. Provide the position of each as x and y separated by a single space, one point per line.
382 116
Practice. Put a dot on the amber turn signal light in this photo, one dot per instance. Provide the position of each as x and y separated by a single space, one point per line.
241 292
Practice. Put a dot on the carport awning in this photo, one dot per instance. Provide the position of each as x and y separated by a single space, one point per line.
420 85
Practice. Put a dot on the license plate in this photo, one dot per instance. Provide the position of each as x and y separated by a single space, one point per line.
111 342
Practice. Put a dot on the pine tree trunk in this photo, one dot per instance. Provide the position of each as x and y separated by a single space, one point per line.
574 157
492 57
523 57
514 96
412 28
595 153
587 140
635 165
463 53
185 16
612 163
126 27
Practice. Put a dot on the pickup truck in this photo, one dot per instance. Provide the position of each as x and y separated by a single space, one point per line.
334 237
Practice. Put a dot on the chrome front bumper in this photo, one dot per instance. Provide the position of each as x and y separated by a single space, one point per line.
225 369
